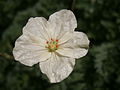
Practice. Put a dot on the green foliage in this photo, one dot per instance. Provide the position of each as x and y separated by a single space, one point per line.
99 70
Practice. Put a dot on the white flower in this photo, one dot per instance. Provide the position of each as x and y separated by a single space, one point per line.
53 44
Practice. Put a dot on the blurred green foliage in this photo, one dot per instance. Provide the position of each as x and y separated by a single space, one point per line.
99 70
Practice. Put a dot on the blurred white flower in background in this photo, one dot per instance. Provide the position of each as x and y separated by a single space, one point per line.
53 44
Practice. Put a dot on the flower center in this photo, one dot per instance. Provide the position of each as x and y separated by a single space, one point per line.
52 45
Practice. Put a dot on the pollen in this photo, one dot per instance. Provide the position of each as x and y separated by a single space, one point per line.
52 45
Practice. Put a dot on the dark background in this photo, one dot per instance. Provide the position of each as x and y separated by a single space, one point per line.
98 70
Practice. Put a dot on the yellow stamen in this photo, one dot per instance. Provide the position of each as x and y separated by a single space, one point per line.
52 45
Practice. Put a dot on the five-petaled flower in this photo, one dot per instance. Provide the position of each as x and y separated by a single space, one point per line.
53 44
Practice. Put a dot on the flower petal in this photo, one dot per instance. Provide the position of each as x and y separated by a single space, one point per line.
77 47
62 21
65 37
57 68
81 40
38 27
29 52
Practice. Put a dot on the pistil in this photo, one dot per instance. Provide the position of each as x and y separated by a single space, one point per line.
52 45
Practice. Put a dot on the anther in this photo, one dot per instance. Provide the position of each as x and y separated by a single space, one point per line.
52 39
47 42
56 46
56 40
